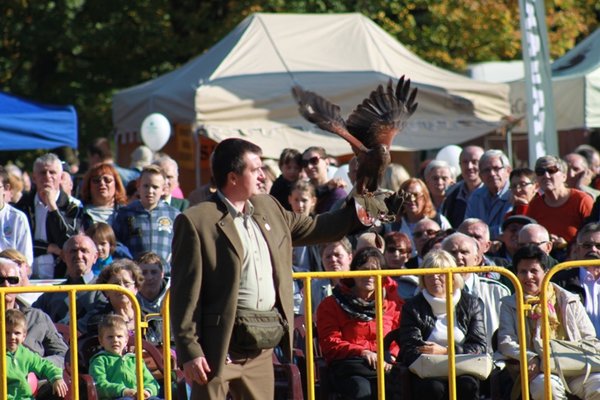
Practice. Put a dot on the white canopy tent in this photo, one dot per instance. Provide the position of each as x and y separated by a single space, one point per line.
241 86
575 86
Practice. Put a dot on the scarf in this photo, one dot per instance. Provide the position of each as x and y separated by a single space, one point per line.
534 315
357 308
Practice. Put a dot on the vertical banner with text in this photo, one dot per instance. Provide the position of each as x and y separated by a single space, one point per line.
538 81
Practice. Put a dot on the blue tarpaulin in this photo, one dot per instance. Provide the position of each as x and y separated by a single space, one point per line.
26 125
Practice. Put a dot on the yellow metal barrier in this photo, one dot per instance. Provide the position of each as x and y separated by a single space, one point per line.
308 314
307 277
72 291
545 323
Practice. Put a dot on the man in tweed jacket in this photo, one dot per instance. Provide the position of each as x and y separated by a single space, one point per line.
230 252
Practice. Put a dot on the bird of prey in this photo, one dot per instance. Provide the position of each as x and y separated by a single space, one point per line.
370 129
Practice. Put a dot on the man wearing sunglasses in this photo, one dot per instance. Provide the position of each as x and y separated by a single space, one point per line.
42 336
572 205
314 162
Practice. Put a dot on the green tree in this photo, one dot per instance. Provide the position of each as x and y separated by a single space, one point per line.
81 51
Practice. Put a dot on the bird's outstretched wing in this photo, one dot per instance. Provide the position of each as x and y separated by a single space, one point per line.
325 115
383 114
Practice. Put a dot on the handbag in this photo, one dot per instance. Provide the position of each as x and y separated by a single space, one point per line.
436 365
569 358
257 330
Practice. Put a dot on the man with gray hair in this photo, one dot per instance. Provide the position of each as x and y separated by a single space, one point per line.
52 216
478 230
80 254
491 202
438 178
171 170
465 251
536 235
42 337
458 195
585 281
579 174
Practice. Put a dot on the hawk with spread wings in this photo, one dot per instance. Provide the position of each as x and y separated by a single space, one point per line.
370 129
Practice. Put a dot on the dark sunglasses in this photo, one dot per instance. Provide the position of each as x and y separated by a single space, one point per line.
396 249
312 161
105 179
13 280
428 232
542 171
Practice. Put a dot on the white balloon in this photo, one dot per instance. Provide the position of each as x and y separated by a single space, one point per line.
156 131
451 155
342 173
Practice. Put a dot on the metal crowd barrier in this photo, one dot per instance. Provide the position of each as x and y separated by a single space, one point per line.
308 314
307 277
72 292
545 322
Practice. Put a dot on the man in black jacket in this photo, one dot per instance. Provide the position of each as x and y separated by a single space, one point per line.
52 216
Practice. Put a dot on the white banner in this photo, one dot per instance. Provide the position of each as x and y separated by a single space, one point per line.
538 81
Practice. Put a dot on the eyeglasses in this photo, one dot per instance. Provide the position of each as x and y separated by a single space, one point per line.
520 185
395 249
12 280
590 245
533 243
550 170
413 196
127 284
106 179
428 232
489 170
312 161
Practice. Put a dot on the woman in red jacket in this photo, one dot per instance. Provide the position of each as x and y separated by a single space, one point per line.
346 327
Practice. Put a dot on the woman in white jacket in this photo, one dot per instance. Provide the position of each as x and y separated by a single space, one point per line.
568 321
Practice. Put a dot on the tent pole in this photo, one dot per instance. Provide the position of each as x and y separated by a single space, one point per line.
198 157
509 146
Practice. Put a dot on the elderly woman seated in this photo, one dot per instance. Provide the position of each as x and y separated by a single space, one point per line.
424 329
127 274
568 321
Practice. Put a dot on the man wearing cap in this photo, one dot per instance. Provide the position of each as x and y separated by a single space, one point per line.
52 217
510 235
492 201
585 281
572 205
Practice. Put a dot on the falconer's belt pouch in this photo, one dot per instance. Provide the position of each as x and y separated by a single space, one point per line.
257 330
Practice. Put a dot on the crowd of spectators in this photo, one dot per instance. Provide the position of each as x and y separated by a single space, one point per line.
95 230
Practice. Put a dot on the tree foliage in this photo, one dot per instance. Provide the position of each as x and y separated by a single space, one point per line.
81 51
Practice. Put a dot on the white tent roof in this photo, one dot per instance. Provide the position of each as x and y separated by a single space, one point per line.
575 86
241 86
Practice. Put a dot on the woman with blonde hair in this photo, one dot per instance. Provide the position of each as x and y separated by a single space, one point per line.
424 328
417 206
